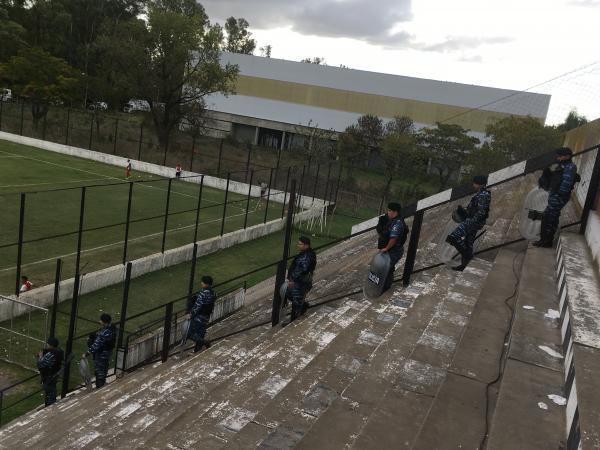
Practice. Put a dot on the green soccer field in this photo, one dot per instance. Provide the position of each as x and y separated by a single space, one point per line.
52 186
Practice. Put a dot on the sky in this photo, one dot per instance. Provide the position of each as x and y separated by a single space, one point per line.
547 45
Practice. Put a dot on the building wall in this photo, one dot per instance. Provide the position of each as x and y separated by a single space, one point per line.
295 93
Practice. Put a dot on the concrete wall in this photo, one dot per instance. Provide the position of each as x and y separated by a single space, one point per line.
150 344
43 296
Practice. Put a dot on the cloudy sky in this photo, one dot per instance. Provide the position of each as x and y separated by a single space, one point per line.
514 44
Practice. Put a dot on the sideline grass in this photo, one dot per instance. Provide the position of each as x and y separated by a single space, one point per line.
50 212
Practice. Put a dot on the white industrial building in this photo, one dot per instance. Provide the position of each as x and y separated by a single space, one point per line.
276 100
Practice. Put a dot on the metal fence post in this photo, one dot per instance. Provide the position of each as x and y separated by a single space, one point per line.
192 155
592 193
316 183
164 238
55 298
248 162
22 117
1 108
122 319
225 204
268 195
20 244
339 180
285 192
167 331
280 277
91 131
127 222
192 273
413 245
220 156
69 346
198 209
116 132
327 185
68 125
248 198
140 142
301 187
44 127
80 230
166 150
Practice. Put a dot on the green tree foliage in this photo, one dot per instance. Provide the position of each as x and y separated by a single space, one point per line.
485 159
239 39
12 35
357 142
572 121
318 60
41 77
401 154
447 147
520 138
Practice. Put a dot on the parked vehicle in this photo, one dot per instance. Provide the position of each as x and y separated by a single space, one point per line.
6 95
98 106
135 105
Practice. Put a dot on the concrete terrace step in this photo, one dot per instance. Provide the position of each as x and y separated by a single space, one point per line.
579 293
530 409
327 376
353 418
455 417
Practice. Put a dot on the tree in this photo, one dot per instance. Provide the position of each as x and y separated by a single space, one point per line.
485 159
172 61
572 121
358 140
239 39
520 138
447 146
12 36
315 60
400 153
315 140
266 51
42 78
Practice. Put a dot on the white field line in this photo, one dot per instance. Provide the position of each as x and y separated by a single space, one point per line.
111 177
102 247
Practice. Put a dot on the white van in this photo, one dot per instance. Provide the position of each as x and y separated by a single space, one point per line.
135 105
5 95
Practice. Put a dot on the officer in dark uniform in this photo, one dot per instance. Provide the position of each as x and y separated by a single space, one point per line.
558 180
392 232
49 364
200 314
101 347
299 277
475 215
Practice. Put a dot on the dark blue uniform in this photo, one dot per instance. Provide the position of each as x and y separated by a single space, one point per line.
463 237
200 316
49 366
101 349
392 229
300 272
559 180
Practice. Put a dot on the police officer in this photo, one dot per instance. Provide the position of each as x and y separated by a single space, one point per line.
200 314
49 364
475 215
392 232
299 277
558 180
101 347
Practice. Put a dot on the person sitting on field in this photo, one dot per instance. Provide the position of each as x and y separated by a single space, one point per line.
26 285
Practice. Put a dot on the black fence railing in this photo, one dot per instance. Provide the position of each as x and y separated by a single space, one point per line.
166 314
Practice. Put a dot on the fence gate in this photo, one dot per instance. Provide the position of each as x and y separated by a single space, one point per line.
23 331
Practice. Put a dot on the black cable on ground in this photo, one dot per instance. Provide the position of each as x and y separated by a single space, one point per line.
505 346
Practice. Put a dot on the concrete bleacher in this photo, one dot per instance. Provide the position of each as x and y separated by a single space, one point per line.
455 360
